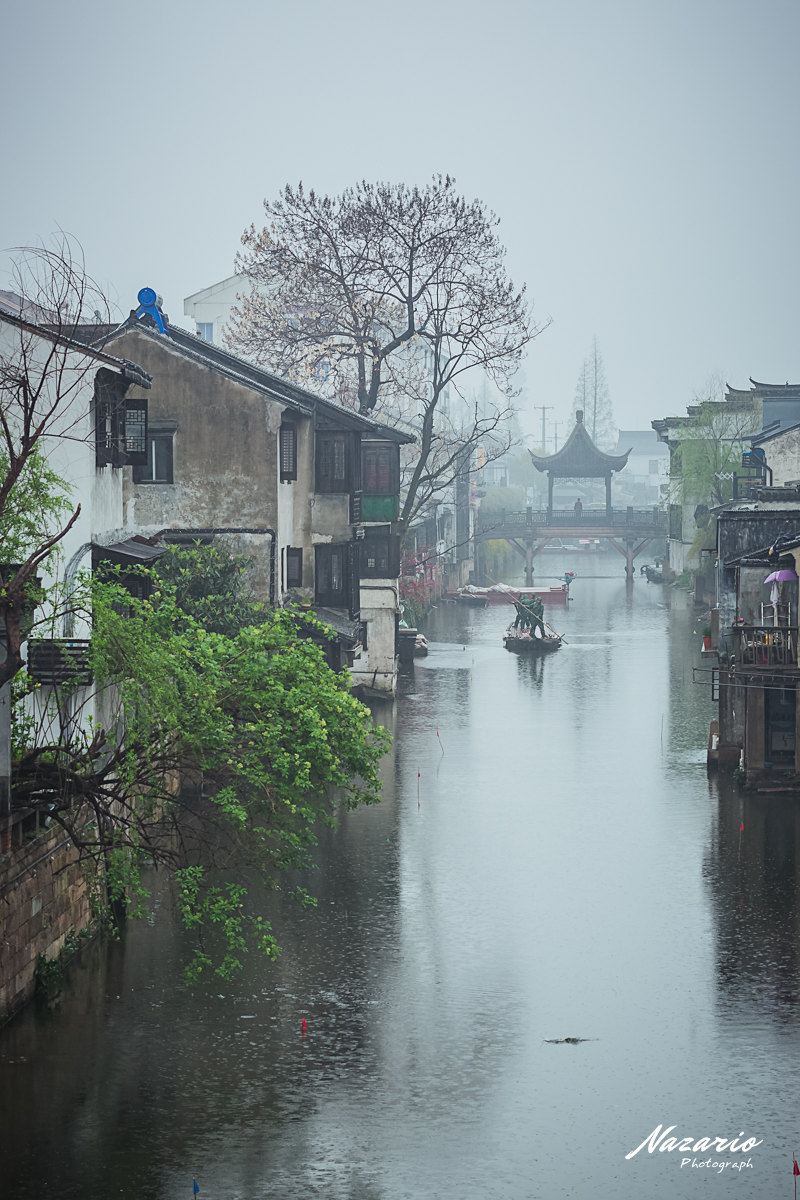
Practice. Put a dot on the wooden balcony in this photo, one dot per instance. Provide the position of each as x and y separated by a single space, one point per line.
766 645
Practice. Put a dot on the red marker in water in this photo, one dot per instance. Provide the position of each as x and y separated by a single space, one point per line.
303 1026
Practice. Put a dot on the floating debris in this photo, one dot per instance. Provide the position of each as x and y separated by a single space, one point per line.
570 1041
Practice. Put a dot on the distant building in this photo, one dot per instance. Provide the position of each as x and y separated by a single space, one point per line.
643 482
759 666
705 447
781 447
210 308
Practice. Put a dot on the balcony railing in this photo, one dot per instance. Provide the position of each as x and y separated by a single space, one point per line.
765 645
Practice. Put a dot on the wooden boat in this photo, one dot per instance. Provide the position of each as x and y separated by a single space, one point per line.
525 643
475 597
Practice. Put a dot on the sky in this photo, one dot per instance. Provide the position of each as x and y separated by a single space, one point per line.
642 157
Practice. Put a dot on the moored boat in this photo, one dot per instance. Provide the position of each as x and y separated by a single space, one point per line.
501 593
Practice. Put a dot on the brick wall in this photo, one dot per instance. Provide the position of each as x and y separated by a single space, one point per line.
43 898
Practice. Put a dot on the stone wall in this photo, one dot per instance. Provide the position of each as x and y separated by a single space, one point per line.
43 898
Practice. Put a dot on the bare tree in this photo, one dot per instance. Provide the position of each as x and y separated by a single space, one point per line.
593 399
389 295
43 372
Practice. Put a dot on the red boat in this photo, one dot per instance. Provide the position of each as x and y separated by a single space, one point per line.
501 593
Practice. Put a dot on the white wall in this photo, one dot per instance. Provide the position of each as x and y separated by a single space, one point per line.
213 305
783 456
67 381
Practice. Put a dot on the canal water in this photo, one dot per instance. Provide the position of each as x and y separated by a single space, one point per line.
550 860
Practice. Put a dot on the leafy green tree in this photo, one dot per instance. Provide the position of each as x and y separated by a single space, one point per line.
212 585
218 755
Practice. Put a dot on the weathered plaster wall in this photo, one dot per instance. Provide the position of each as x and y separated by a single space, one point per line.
43 898
783 456
225 453
330 517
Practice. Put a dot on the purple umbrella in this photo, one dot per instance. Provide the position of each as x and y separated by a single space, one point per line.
784 575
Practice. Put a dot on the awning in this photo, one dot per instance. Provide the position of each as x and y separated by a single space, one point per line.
137 550
339 621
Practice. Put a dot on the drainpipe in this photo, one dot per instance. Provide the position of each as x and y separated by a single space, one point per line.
261 530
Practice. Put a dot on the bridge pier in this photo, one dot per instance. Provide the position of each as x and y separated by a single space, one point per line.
529 564
630 551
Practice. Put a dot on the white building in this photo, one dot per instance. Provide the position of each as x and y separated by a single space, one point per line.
210 308
644 481
92 432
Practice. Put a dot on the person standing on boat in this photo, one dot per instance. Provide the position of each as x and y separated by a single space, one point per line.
523 618
578 507
535 609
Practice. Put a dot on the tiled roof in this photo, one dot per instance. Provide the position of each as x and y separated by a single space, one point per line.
579 458
209 355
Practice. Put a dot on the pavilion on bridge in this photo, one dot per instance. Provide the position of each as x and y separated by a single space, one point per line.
579 458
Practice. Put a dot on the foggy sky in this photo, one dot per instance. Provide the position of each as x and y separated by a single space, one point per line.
643 157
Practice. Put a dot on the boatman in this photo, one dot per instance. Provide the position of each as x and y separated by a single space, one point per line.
523 617
537 613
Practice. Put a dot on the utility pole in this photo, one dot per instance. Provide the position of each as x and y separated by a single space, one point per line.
543 409
555 437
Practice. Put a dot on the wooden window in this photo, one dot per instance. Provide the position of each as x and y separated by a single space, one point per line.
294 567
333 462
136 432
120 426
159 464
380 554
288 452
380 468
331 575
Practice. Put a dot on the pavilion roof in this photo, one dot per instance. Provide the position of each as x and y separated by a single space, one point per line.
579 458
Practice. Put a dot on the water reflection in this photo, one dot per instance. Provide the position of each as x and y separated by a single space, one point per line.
752 873
549 860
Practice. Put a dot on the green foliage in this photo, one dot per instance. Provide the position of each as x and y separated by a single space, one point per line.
34 508
276 736
211 585
49 972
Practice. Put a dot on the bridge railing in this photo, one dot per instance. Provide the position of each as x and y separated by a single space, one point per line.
618 518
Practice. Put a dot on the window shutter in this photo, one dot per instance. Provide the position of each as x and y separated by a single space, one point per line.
288 453
136 432
380 468
333 462
294 567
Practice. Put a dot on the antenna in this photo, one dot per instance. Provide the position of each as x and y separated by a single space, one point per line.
543 408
